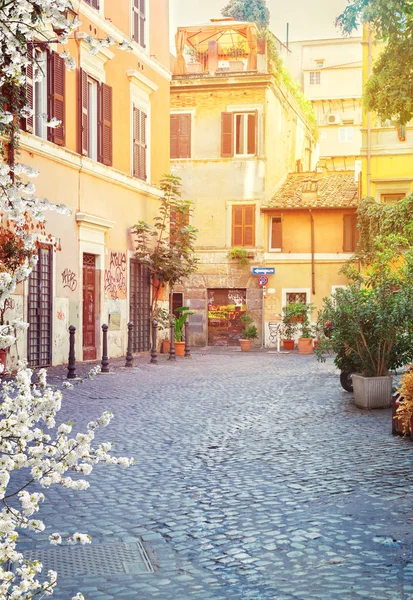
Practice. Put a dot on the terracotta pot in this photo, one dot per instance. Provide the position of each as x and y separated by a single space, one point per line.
296 319
180 348
165 347
288 344
245 345
305 345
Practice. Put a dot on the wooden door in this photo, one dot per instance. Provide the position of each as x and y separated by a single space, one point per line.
39 347
89 307
140 306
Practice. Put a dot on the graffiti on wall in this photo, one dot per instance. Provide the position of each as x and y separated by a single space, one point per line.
69 280
115 276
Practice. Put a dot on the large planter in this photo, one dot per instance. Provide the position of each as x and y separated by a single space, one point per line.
245 345
288 344
305 345
372 392
179 348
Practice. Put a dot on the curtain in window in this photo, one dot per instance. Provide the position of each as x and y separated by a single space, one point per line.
180 64
252 43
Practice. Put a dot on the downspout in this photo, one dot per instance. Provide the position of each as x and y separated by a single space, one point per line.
312 253
369 71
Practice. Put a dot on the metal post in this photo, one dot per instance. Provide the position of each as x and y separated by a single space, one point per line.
129 357
154 356
172 338
71 367
105 359
187 350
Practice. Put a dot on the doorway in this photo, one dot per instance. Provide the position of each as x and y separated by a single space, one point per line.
39 305
140 306
89 307
225 307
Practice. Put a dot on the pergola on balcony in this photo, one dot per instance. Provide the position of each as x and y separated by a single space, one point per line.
221 46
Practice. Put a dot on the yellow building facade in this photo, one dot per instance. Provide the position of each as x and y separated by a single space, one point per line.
104 163
236 133
387 150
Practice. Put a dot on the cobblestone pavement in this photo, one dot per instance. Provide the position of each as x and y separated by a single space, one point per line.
256 477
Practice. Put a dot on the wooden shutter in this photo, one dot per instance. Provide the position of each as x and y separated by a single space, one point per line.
138 18
350 233
28 124
174 136
180 136
237 226
252 132
105 124
227 134
56 96
83 113
94 3
249 225
185 136
139 144
276 232
243 225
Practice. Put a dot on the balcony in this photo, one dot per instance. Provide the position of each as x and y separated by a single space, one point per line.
221 47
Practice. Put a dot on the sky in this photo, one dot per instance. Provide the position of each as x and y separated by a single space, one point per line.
307 19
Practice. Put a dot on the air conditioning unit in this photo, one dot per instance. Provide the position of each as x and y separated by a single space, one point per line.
333 120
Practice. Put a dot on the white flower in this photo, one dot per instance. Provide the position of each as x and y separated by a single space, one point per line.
53 123
55 539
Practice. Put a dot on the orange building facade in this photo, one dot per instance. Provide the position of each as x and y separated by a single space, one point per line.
104 162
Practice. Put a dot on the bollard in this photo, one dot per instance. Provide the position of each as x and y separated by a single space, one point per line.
129 357
154 356
71 367
187 350
172 355
105 359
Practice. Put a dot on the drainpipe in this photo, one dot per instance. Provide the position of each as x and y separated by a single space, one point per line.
369 71
312 253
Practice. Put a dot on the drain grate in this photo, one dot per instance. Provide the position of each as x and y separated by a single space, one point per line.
93 559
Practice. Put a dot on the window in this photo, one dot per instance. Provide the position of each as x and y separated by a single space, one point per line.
392 198
276 233
243 226
46 96
95 119
139 144
138 22
293 297
181 136
345 134
93 3
239 133
315 77
350 233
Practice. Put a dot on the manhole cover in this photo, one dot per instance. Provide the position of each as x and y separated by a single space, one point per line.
93 559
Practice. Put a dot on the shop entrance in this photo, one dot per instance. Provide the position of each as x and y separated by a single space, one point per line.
225 307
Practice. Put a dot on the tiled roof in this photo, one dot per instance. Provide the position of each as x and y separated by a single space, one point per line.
316 190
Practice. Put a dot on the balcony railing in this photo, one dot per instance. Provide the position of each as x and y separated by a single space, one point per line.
219 58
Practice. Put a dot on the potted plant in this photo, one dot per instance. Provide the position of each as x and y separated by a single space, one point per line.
249 332
179 323
162 317
289 332
403 403
296 318
166 247
241 254
373 325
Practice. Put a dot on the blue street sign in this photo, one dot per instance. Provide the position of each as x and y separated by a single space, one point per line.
263 270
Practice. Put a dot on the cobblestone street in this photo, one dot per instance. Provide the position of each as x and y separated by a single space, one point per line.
256 477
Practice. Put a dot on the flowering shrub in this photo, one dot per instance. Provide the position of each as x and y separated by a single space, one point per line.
29 436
